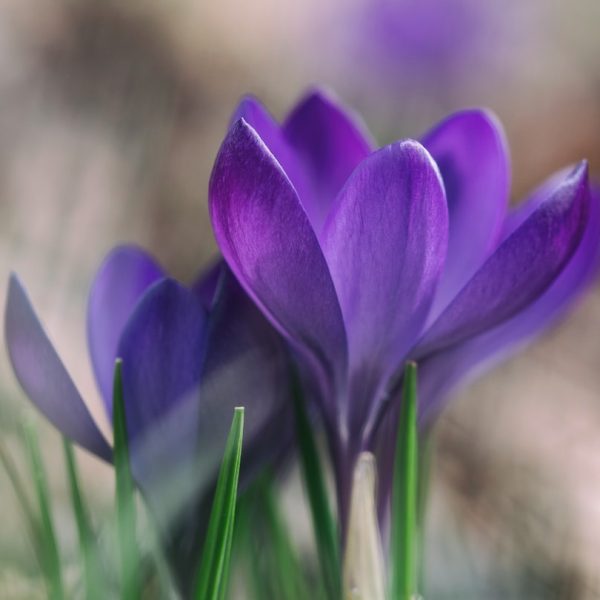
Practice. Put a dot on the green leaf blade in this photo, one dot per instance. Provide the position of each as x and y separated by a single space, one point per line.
31 519
405 494
125 496
213 571
286 563
51 560
324 526
84 527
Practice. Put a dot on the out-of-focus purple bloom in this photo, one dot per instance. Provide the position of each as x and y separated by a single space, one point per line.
420 54
190 355
419 39
364 259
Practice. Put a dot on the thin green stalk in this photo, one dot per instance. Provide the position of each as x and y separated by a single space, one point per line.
164 580
212 576
52 563
31 519
324 526
404 551
84 527
125 496
245 531
286 564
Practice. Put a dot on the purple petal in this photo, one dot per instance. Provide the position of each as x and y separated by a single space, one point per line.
162 347
268 242
440 373
43 376
385 243
520 270
272 134
123 277
471 151
246 365
329 143
518 215
258 117
205 285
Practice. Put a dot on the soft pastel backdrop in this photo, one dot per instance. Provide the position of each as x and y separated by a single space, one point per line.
110 117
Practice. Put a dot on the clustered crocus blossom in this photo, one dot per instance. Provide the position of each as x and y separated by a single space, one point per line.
365 258
361 259
190 355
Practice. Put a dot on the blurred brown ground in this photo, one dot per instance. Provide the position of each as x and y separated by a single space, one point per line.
110 117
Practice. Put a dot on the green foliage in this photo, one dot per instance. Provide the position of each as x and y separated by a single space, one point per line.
405 492
275 568
51 556
324 525
248 545
31 519
125 496
84 527
213 572
261 531
287 567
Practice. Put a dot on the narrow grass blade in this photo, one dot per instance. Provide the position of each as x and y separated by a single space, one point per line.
404 552
125 496
52 563
247 547
31 519
273 568
285 562
164 580
324 526
84 527
212 575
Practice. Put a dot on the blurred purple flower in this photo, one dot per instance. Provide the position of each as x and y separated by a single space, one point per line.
190 355
421 51
363 259
421 38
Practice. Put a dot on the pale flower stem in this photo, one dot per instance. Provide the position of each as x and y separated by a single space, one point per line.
364 571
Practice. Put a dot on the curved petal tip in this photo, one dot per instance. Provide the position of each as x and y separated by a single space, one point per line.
42 375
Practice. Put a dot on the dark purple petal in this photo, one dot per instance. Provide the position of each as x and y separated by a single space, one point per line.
246 365
271 133
258 117
43 376
123 277
518 215
205 285
470 149
329 143
520 270
440 373
162 347
268 242
385 243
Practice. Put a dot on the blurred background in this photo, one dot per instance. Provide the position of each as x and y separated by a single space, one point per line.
111 114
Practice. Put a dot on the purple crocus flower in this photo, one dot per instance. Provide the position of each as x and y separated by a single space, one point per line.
365 258
190 355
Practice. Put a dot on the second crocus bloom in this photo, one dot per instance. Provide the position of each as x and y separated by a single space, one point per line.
365 258
190 355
